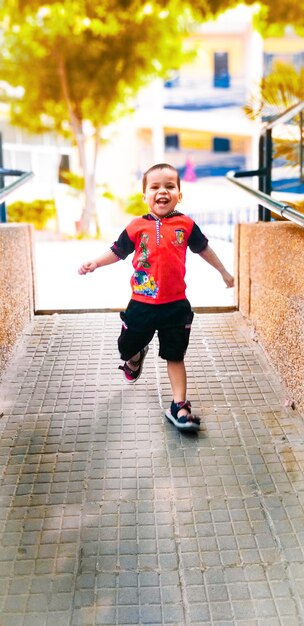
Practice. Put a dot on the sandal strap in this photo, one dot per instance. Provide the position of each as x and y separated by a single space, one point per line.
126 368
133 374
183 419
177 406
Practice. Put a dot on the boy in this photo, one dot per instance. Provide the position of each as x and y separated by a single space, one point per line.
159 241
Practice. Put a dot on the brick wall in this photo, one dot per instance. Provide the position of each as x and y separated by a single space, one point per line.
270 286
16 285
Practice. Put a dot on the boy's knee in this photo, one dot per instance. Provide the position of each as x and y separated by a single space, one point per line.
172 356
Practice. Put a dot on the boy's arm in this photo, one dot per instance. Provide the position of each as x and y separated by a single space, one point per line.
105 259
209 255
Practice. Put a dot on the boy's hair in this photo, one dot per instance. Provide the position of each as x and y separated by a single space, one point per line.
159 166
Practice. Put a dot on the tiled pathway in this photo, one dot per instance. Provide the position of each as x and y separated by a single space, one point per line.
108 515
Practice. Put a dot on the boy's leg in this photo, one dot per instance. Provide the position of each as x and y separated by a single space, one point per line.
133 362
180 413
173 336
132 369
136 333
178 380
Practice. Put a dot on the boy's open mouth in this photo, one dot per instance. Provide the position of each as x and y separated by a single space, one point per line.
162 201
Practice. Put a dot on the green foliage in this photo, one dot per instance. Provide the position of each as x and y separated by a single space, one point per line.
278 91
38 212
74 62
271 16
282 88
288 150
107 194
72 179
86 60
135 205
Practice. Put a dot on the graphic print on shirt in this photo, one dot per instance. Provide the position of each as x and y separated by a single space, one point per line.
143 258
179 237
143 284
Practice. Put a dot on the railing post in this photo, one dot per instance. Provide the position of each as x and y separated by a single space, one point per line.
267 204
2 205
265 164
268 166
262 176
301 155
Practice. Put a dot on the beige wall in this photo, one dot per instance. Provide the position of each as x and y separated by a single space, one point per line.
202 66
16 285
284 45
270 284
203 140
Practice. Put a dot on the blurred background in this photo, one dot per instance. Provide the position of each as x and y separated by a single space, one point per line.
92 96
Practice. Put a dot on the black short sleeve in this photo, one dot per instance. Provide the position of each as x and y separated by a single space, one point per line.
123 246
197 241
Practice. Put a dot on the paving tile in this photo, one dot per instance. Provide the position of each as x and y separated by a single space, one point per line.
108 515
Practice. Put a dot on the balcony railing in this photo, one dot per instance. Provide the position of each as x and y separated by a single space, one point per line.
266 203
279 208
6 190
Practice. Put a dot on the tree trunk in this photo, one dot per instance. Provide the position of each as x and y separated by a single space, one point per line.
89 204
89 172
88 169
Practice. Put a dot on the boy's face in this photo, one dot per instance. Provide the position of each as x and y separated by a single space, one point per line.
162 193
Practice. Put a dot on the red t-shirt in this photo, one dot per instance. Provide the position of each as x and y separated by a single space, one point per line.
159 247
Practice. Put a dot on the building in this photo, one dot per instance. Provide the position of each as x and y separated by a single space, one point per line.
195 120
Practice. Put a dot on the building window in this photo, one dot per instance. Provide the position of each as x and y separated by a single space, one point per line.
268 63
221 144
172 142
270 60
221 76
172 81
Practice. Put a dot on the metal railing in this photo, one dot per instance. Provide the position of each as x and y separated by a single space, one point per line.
279 208
6 190
264 171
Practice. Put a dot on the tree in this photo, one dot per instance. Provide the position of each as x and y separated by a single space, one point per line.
78 62
271 16
82 61
279 90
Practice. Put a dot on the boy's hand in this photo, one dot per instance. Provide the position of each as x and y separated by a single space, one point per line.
228 279
91 266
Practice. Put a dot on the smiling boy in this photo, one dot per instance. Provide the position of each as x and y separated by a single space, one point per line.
159 241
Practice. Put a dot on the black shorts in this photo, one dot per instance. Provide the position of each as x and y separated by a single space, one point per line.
140 321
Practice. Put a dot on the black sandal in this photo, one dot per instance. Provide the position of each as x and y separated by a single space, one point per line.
132 376
184 422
